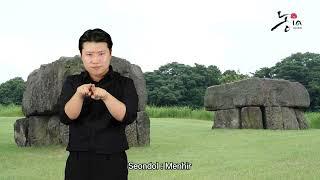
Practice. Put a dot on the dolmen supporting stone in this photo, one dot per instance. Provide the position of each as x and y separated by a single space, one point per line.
258 104
40 104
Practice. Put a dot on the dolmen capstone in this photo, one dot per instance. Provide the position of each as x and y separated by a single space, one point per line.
41 125
258 104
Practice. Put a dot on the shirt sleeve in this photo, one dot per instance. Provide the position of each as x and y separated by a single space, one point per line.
66 93
130 99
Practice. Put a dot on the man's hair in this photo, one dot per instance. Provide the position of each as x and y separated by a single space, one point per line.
95 35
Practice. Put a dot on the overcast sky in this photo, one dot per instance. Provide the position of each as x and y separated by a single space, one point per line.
230 34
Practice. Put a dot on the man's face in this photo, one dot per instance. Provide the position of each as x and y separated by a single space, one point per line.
96 58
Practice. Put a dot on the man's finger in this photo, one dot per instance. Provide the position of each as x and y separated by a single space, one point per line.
87 92
93 87
94 97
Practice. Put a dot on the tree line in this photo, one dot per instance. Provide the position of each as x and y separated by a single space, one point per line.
176 84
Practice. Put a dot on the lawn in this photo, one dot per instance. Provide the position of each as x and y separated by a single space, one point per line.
214 154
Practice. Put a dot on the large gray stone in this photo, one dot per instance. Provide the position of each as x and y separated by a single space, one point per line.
228 118
264 103
40 130
256 92
289 118
140 84
46 130
44 85
39 104
273 118
131 134
43 130
251 118
143 126
21 132
281 118
301 119
64 134
139 131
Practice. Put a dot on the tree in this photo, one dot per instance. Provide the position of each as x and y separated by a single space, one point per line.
264 72
11 91
177 84
299 67
231 76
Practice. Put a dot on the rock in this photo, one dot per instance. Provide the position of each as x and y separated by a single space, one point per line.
256 92
251 118
140 84
228 118
121 66
44 85
131 133
21 132
139 131
273 118
281 118
42 131
289 118
64 133
301 119
264 103
46 130
143 124
39 104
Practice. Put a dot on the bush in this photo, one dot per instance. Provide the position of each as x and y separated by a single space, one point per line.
179 112
313 119
11 110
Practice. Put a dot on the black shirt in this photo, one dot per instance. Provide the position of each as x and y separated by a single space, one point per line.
95 129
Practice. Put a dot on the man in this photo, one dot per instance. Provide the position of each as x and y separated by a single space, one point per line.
97 105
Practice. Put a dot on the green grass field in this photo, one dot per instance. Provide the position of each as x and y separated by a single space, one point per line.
214 154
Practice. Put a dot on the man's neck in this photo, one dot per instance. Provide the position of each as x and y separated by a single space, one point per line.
99 77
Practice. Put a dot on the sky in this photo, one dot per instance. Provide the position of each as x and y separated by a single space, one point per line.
230 34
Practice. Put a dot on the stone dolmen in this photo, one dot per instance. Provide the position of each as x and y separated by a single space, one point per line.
258 104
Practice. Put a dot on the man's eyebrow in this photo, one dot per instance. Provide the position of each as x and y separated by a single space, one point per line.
102 51
89 52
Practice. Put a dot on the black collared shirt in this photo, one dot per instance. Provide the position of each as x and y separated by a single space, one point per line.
95 129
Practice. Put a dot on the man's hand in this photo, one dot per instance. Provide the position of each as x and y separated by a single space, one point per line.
84 90
74 105
98 93
95 93
116 108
